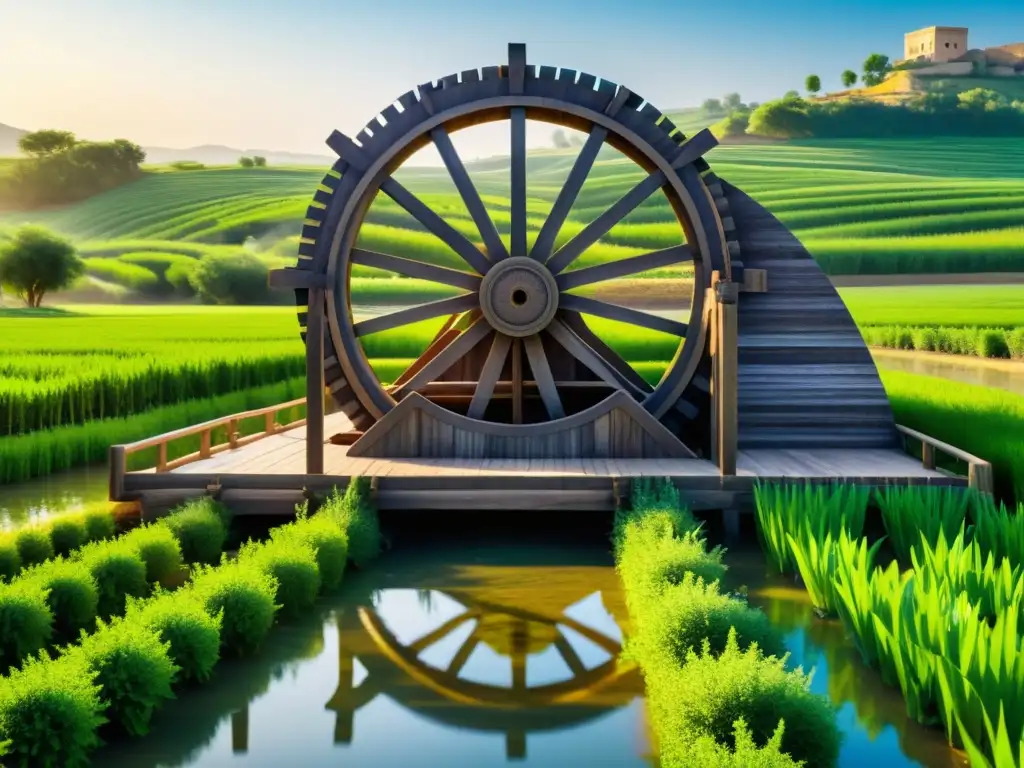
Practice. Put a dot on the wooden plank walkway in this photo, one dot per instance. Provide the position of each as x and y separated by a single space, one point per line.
268 475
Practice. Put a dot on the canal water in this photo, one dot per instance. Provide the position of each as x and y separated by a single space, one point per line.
997 374
486 651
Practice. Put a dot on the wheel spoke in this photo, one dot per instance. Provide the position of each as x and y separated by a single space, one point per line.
517 381
542 376
634 265
443 631
489 376
569 656
579 326
603 224
417 269
415 314
436 225
488 233
623 314
576 347
447 357
462 655
545 241
518 172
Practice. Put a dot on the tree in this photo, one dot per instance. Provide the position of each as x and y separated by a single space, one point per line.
47 142
876 66
812 83
849 78
259 162
735 124
35 261
231 279
560 140
246 162
732 101
791 95
712 105
784 119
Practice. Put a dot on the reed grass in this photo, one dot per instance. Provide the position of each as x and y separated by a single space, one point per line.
919 513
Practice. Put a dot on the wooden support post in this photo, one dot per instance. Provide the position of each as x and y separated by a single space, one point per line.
240 731
118 460
928 455
161 457
204 444
979 477
725 368
233 433
315 383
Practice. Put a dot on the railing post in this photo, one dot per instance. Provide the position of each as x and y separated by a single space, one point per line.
927 455
979 477
118 460
725 375
270 422
161 457
204 444
315 383
233 433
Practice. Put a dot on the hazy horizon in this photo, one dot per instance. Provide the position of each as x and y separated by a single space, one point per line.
280 77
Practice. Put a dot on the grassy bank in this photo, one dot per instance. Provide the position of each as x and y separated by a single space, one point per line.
718 690
952 554
117 675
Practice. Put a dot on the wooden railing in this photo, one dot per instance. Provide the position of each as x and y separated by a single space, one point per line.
979 471
119 453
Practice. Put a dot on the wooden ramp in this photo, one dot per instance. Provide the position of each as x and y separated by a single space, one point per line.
267 476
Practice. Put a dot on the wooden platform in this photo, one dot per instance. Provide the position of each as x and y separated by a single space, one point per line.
268 476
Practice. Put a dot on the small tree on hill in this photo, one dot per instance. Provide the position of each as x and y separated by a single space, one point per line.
849 78
246 162
231 279
790 95
559 139
732 102
812 83
876 66
35 261
713 106
259 162
45 143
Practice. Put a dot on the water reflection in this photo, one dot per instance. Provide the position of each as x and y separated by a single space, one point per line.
44 497
872 715
475 664
999 374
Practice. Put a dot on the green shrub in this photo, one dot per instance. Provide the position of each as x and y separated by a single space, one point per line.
327 540
926 339
10 560
992 343
714 692
26 624
133 669
652 559
201 530
99 523
50 712
1015 342
687 614
67 533
292 564
355 515
119 571
159 550
182 621
704 752
73 596
34 545
245 595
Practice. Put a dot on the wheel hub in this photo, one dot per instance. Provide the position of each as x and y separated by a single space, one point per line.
519 296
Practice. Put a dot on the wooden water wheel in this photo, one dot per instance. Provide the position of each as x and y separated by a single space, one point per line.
516 362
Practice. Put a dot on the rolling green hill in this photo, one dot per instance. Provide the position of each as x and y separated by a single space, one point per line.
861 207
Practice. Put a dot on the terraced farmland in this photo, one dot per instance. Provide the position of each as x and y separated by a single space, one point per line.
878 207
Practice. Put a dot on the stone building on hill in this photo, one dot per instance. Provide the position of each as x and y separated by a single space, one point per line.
936 44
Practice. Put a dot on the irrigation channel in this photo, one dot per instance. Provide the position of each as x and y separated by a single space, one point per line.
471 647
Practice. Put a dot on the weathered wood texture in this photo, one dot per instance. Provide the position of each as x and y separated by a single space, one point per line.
617 427
806 378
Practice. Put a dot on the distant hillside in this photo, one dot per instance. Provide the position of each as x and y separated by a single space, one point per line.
9 136
208 154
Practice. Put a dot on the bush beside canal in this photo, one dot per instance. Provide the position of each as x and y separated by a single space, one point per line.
34 544
52 707
717 695
942 622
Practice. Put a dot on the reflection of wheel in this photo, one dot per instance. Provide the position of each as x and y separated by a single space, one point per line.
396 670
517 329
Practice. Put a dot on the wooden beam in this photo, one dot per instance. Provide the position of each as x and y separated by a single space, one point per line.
755 281
290 277
726 364
315 383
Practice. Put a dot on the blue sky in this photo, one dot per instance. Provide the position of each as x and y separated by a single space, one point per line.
280 75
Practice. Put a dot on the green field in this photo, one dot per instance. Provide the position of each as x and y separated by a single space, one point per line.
878 207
